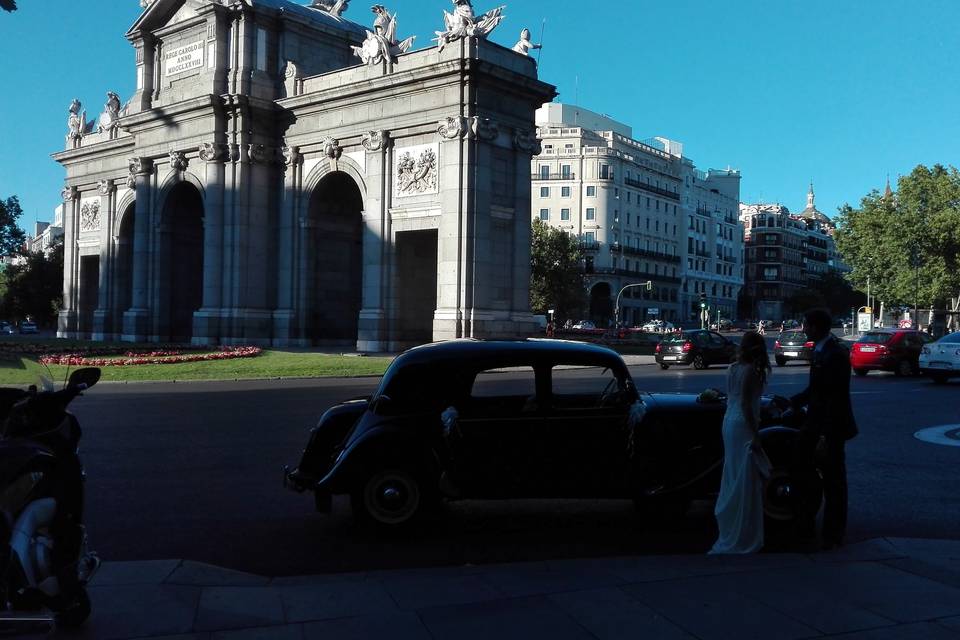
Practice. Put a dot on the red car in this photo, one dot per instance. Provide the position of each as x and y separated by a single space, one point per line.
896 350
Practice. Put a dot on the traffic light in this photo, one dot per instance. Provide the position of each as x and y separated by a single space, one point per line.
703 301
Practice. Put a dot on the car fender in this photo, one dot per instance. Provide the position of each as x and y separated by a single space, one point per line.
779 443
378 445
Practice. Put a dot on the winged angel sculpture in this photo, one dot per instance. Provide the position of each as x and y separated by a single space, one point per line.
333 8
464 23
381 43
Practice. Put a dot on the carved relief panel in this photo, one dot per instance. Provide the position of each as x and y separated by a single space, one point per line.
416 170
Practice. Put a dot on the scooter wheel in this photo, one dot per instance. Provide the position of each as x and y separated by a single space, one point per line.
76 614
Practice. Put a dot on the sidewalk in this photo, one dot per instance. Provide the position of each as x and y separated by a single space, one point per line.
878 589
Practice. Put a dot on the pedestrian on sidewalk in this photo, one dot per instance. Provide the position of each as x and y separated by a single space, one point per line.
739 509
829 424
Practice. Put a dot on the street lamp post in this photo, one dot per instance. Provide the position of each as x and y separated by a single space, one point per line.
616 312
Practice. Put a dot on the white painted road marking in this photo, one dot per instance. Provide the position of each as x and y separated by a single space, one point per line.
947 435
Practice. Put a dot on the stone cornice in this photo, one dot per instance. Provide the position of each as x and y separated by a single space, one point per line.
139 121
119 146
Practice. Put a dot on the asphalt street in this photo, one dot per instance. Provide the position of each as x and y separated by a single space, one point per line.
193 470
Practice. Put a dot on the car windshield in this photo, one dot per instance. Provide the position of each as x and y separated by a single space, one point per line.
793 336
875 338
953 338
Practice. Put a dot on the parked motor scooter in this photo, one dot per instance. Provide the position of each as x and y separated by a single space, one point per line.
44 562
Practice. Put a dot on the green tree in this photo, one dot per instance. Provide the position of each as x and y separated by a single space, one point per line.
837 293
11 236
8 5
35 287
556 275
908 244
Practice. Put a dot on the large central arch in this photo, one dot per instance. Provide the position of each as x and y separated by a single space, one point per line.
334 264
181 264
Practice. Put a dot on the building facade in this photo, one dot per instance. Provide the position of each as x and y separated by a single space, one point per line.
642 212
784 253
263 186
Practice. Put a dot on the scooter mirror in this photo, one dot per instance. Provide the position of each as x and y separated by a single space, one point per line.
88 377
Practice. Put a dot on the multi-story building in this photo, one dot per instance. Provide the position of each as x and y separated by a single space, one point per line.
643 213
783 254
46 235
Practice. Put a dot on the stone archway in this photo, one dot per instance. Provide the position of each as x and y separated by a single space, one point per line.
334 261
123 265
180 285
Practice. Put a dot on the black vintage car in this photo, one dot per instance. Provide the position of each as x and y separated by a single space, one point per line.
699 348
531 419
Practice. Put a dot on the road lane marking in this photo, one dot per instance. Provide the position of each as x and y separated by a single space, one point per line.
946 435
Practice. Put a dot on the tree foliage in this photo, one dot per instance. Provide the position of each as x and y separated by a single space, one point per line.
34 287
556 278
8 5
894 239
11 236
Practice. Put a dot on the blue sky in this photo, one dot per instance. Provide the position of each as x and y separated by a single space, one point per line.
843 93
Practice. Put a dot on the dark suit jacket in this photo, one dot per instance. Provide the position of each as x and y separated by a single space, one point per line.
827 399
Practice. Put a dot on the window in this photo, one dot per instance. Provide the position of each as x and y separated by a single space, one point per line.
544 172
568 147
564 214
565 171
648 224
564 192
544 192
648 203
589 237
591 213
605 171
626 265
658 225
544 214
585 389
591 191
490 384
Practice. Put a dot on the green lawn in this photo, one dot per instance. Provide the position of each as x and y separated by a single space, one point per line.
18 368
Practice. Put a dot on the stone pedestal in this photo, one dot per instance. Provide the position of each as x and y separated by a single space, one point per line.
136 325
206 326
102 325
67 322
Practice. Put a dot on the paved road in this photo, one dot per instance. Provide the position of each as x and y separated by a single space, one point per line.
193 470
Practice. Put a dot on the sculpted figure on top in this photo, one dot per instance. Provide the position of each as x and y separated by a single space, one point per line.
333 7
526 45
111 113
463 23
75 121
381 43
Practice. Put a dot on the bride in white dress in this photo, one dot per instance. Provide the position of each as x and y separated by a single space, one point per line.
739 509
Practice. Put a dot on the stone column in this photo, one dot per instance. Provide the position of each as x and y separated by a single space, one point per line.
285 325
455 237
372 327
526 145
68 320
206 321
136 321
102 316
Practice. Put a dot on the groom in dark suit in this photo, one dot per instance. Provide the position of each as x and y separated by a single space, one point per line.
830 417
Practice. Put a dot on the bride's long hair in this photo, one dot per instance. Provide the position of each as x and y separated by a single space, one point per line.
753 352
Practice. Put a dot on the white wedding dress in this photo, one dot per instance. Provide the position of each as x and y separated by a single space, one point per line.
739 509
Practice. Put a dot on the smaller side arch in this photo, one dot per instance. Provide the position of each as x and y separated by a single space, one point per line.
173 179
324 168
128 199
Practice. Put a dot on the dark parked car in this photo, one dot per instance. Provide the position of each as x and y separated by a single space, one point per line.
792 345
896 350
699 348
447 423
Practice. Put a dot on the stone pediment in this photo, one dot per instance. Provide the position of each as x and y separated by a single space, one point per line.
162 13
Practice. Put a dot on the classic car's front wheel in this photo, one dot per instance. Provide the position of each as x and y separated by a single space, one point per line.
388 499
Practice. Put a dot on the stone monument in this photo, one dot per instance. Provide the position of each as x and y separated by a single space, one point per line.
285 192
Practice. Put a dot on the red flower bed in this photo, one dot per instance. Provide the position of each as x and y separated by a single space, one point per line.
132 358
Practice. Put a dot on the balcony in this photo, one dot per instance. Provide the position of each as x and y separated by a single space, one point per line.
553 176
607 177
589 245
643 253
639 275
703 211
630 182
704 254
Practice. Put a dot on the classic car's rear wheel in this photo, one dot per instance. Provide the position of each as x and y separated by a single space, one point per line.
388 498
787 495
699 362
